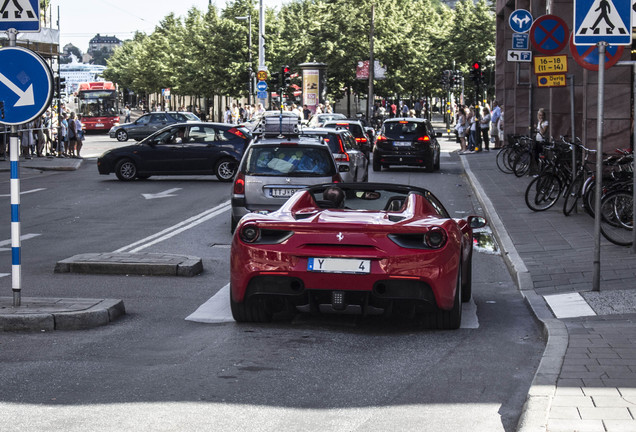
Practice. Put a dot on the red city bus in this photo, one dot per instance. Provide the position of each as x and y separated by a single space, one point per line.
98 105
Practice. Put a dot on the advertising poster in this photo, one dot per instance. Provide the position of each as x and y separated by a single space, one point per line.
311 79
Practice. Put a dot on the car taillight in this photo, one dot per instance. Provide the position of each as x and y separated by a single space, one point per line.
342 157
424 138
336 178
361 140
237 132
239 184
249 233
435 238
381 138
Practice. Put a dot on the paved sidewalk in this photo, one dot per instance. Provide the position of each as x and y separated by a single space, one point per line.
587 378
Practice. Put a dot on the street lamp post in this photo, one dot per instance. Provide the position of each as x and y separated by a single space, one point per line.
249 48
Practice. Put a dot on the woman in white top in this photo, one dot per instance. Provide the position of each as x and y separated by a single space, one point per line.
542 133
460 127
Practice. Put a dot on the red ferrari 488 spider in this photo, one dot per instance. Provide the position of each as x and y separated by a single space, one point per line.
356 248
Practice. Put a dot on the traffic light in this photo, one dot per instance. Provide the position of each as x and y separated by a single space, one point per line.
476 71
446 79
458 78
62 83
275 80
286 74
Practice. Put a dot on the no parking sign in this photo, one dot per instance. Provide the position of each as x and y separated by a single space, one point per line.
549 34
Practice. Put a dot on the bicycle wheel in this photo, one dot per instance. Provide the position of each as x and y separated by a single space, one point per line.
617 217
522 163
543 192
502 157
572 194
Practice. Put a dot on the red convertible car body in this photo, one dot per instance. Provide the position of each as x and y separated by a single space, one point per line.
388 249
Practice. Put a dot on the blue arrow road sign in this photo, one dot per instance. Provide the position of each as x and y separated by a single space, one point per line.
26 85
602 21
261 86
520 21
22 15
261 95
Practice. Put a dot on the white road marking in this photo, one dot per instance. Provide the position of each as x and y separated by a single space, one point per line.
569 305
4 275
164 194
217 310
22 238
25 192
175 229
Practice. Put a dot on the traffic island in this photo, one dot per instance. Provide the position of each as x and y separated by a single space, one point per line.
48 314
146 264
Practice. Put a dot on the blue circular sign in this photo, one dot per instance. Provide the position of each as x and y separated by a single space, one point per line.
520 21
26 85
549 34
261 86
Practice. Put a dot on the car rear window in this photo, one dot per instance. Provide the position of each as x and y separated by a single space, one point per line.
354 128
292 161
182 117
330 139
404 130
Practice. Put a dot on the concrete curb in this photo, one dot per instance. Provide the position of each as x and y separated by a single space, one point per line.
48 164
48 314
534 416
147 264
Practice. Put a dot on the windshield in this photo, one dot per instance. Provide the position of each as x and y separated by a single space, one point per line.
98 103
292 161
404 130
185 116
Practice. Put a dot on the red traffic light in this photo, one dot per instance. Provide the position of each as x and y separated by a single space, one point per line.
476 65
286 69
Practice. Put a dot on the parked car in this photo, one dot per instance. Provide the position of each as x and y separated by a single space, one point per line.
318 120
354 248
149 123
353 164
406 141
357 130
180 149
273 169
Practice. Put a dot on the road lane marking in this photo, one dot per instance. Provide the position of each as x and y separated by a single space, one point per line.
164 194
175 229
217 310
25 192
569 305
22 238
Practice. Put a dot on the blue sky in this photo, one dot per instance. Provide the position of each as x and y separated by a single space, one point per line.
80 20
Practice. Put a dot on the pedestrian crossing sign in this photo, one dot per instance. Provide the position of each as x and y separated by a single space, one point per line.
602 21
21 15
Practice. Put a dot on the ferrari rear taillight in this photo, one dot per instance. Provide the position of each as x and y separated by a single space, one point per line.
249 233
239 184
435 238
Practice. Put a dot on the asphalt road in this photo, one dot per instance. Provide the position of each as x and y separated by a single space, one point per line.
153 370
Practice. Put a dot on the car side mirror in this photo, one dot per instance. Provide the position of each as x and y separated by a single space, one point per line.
476 222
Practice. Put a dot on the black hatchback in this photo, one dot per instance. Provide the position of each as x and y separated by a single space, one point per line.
180 149
406 141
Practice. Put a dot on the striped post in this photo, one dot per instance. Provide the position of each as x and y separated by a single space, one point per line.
16 269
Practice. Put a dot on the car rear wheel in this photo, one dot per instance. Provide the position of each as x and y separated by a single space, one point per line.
122 135
254 309
467 280
451 319
225 170
126 170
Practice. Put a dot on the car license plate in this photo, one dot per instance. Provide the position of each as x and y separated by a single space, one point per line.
339 265
283 193
402 144
99 125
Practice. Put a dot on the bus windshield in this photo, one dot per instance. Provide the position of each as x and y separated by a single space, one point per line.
98 103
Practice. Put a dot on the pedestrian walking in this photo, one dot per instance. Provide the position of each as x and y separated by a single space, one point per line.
484 124
460 128
127 114
494 119
72 135
79 128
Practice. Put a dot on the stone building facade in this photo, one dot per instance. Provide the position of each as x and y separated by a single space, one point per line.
517 88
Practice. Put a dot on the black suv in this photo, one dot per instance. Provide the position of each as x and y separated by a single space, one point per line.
406 141
149 123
